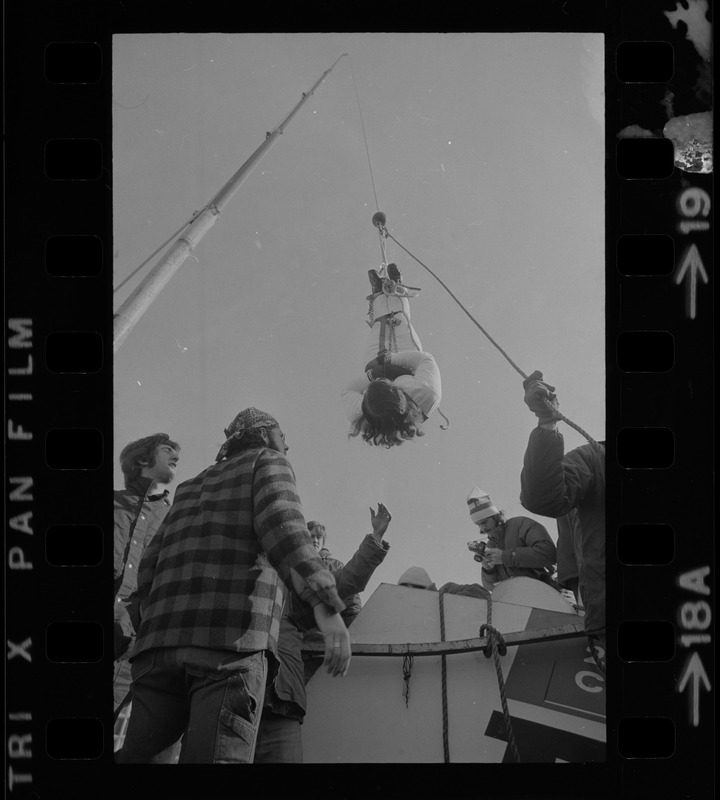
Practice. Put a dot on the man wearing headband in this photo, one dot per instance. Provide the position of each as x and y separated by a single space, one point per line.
211 596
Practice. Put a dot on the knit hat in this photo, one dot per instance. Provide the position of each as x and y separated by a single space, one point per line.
417 577
480 505
245 421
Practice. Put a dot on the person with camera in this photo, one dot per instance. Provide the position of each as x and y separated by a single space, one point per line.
508 548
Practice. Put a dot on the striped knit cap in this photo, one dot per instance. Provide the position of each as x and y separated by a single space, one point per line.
480 505
246 420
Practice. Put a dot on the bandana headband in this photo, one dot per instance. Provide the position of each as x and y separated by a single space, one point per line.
247 420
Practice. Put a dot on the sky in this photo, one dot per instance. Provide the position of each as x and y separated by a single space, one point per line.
486 151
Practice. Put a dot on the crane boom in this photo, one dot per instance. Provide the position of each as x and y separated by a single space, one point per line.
130 311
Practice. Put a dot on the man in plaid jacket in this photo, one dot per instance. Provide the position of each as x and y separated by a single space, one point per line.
211 600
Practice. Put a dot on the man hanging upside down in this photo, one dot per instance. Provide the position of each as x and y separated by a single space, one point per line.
400 387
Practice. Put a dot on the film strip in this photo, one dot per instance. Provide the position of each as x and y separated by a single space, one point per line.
660 404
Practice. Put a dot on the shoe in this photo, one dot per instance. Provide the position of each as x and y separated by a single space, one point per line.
376 283
394 273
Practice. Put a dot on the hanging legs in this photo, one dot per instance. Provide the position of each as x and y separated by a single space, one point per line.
388 280
390 327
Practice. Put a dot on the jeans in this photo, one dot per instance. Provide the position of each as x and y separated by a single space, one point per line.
279 740
211 698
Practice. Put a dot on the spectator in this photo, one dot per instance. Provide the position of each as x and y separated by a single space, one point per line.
147 465
516 547
279 738
553 483
416 578
318 535
211 601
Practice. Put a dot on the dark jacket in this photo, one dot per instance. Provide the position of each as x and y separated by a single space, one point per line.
552 484
353 603
467 589
286 696
569 548
527 549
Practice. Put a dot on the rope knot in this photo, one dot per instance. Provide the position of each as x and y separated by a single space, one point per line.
494 638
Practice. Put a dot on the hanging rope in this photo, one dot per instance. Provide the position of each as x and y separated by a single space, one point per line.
407 665
155 252
495 648
367 153
559 415
446 744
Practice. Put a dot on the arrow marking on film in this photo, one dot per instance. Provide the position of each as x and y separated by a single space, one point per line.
691 263
693 675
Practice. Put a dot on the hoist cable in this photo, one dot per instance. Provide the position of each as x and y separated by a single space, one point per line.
367 153
384 231
155 252
448 290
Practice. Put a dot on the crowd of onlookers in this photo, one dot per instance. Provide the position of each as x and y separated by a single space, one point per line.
216 593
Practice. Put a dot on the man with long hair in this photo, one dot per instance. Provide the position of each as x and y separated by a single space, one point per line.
147 464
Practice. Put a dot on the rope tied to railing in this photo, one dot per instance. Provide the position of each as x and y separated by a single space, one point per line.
494 637
496 647
443 663
407 665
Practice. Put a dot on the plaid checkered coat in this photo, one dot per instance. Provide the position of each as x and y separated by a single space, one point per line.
211 577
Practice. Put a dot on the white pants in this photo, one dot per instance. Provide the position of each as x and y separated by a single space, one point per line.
391 328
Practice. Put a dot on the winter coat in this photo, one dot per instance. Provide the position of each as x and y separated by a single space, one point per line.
552 484
527 549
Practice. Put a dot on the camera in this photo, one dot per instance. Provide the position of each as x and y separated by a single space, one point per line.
478 548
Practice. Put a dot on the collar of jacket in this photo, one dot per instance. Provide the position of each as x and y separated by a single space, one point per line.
141 486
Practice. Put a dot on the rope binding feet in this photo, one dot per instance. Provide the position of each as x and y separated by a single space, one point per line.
389 274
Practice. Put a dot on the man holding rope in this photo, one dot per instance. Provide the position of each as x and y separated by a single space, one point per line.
553 483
